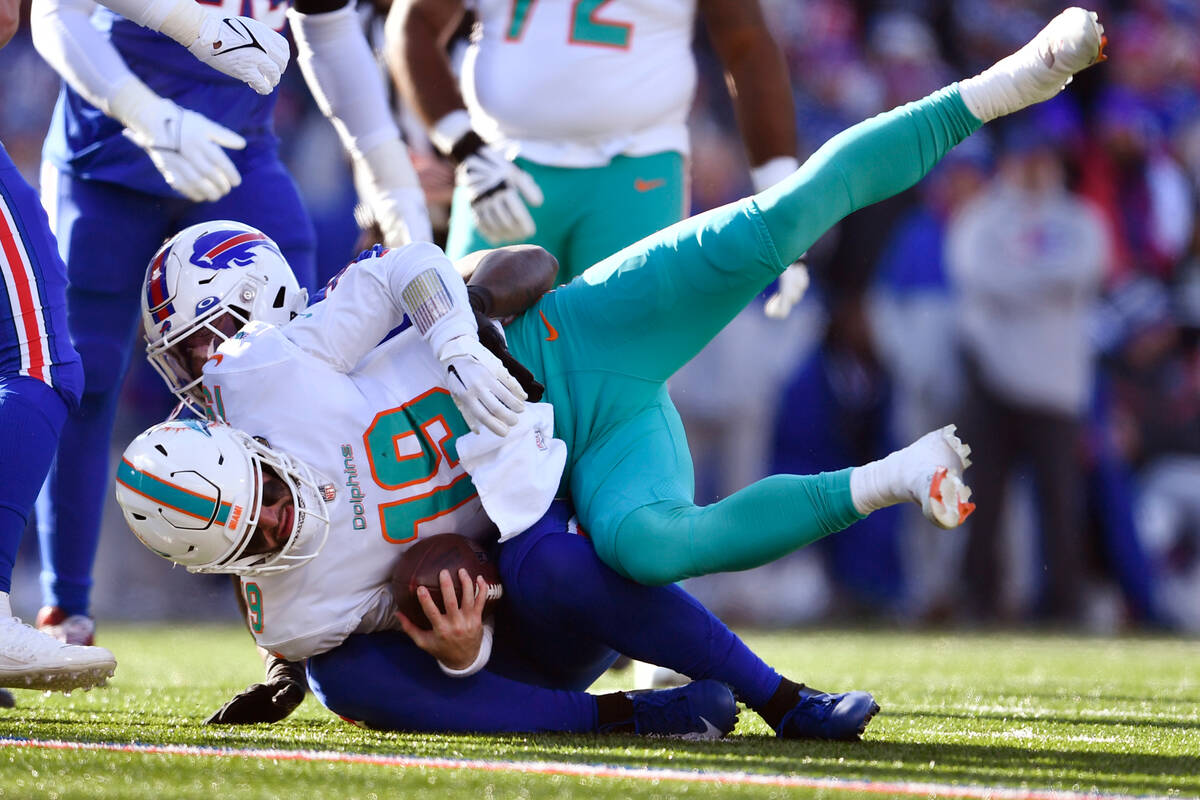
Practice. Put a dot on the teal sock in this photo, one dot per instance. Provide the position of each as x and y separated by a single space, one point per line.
871 161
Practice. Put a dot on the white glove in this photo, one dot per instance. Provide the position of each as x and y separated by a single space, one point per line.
793 283
402 216
485 393
184 146
242 48
496 187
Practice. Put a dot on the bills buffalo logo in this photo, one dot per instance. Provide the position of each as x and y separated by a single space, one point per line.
226 249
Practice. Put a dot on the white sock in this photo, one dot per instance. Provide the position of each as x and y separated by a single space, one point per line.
5 607
879 484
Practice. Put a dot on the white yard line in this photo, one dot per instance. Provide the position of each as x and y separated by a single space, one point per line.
584 770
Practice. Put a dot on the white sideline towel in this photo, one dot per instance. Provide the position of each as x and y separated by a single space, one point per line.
517 474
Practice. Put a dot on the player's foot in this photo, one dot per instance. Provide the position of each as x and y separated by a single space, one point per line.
1073 41
927 472
73 629
30 659
700 710
820 715
936 463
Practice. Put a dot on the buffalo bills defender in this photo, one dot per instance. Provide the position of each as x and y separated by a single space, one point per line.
40 373
145 141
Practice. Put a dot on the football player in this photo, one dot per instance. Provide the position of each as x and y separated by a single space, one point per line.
396 418
40 373
570 127
144 142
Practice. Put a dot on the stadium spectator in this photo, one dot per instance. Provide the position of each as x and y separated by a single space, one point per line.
1027 258
912 313
846 396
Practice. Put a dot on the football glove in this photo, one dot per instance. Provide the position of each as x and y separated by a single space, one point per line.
793 283
401 215
485 393
495 187
491 338
272 701
184 146
242 48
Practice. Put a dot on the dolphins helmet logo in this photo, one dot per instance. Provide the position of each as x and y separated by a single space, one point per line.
229 248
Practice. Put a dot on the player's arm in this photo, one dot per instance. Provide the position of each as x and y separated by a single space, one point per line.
501 284
417 32
757 77
375 293
340 69
186 147
10 18
240 47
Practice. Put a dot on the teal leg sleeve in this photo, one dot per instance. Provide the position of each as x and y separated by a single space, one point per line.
669 541
864 164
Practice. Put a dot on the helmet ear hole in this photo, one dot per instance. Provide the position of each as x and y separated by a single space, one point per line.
280 297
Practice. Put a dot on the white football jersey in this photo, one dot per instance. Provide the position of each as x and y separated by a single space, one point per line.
381 430
573 83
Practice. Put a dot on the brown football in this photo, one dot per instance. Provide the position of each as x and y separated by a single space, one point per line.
421 563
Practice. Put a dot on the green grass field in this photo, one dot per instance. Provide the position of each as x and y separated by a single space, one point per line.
1032 713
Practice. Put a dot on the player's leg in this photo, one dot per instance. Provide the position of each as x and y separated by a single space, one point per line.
268 199
384 681
565 604
622 203
40 378
106 235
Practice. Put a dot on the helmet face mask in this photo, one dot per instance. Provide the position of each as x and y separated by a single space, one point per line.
193 493
199 276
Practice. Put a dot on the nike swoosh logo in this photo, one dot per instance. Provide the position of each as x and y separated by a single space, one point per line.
646 186
550 328
215 358
710 732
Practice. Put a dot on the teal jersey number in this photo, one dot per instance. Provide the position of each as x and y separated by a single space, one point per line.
585 27
254 607
433 423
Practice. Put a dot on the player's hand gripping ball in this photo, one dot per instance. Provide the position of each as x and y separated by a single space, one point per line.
421 564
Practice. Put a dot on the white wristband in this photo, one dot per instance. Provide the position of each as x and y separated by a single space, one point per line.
388 165
485 652
183 22
449 129
772 172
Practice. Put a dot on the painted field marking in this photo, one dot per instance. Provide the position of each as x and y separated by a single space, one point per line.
584 771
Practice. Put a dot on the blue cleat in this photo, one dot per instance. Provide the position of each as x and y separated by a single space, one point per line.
702 709
820 715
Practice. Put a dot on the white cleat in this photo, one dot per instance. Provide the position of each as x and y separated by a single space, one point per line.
30 659
1072 42
938 459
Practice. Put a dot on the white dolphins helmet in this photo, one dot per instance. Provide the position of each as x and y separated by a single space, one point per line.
199 275
192 492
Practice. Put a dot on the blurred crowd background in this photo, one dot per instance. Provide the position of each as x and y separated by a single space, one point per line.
1041 289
